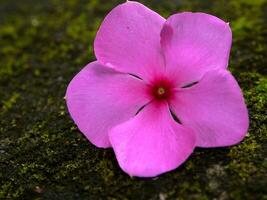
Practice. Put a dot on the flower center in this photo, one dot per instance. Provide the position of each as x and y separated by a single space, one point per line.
161 89
160 92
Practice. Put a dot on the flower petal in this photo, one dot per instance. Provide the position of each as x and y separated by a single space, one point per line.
194 43
214 108
151 143
129 40
99 98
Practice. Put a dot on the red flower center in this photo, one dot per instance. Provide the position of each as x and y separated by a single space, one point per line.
161 89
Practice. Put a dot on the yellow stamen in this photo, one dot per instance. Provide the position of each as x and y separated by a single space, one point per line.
161 91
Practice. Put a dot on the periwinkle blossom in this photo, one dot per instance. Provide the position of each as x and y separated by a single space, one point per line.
148 70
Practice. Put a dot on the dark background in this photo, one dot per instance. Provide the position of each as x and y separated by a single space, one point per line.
44 43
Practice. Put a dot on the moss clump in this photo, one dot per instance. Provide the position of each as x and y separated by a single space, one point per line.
44 156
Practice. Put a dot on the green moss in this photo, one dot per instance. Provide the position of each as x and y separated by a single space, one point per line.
10 102
42 153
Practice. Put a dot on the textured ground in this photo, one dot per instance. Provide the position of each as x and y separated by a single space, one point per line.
42 154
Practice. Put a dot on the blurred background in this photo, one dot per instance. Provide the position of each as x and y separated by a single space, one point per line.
44 43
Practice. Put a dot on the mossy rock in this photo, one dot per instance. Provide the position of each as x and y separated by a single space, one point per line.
44 156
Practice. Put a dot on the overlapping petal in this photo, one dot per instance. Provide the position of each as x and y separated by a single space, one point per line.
129 40
152 142
214 108
194 43
99 98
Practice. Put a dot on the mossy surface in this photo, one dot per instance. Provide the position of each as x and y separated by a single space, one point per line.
44 43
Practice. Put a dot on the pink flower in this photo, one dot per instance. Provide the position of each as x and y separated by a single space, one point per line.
148 67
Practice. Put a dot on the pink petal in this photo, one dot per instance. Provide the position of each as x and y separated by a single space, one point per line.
99 98
214 108
129 40
194 43
151 143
